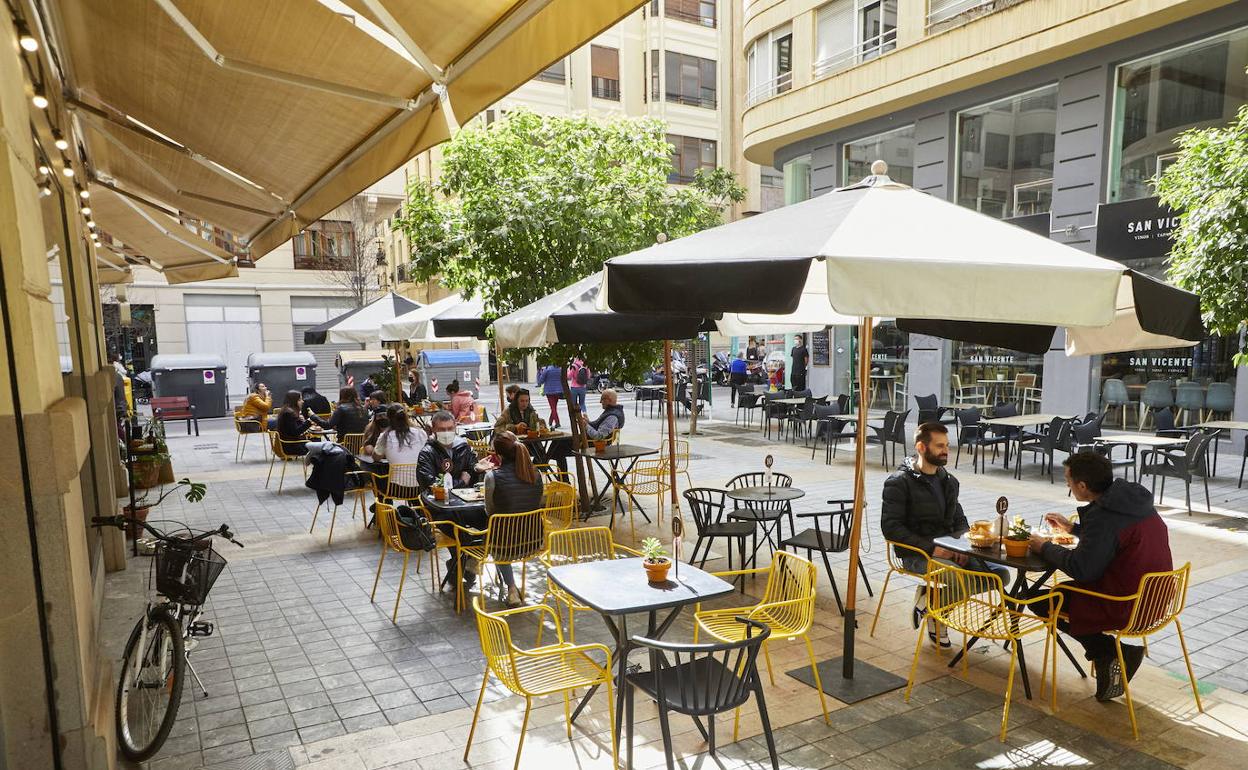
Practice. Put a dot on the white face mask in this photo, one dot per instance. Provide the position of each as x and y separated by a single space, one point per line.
446 437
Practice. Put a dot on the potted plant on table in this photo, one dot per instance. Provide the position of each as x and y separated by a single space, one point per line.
655 560
1018 538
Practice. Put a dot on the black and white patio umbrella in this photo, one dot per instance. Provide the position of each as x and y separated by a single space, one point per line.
466 319
360 325
880 248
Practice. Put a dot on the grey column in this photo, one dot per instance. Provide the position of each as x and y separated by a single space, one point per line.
1067 381
929 370
1241 409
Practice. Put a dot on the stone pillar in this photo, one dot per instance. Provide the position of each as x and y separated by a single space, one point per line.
929 370
1069 383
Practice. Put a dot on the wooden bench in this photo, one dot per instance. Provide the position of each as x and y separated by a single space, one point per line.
166 408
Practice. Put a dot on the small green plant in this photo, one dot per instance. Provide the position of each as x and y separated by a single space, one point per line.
1019 530
653 551
195 492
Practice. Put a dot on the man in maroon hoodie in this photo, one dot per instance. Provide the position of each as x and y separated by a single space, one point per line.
1121 538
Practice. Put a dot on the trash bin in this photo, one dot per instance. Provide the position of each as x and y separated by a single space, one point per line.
198 376
283 372
355 366
439 367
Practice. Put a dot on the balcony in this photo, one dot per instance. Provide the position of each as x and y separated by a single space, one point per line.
605 88
947 14
868 49
765 90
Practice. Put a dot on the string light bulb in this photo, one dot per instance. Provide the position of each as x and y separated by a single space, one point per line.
86 211
68 171
59 140
45 190
39 100
26 40
84 194
90 225
43 169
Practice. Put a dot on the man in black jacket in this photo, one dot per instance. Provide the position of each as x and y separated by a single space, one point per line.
314 402
448 452
920 504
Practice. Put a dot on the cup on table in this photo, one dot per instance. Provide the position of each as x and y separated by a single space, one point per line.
439 492
600 446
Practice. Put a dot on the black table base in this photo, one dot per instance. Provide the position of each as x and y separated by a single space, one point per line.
868 681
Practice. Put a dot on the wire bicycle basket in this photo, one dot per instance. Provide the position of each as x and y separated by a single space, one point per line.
186 575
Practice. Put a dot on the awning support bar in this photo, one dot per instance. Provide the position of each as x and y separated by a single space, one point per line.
391 25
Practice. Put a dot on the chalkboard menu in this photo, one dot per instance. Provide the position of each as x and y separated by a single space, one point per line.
821 348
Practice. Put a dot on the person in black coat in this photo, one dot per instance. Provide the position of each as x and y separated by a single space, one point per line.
448 452
291 426
416 390
314 402
920 504
348 417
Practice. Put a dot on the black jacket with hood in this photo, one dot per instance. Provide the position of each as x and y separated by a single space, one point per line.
912 513
435 459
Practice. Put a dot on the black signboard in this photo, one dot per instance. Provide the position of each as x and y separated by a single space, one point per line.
820 348
1033 223
1138 229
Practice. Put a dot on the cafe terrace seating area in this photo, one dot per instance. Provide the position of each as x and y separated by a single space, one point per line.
350 651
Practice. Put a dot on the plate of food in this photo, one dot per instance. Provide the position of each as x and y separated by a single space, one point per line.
981 535
1062 538
470 495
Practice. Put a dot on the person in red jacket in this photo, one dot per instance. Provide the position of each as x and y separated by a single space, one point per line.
1121 538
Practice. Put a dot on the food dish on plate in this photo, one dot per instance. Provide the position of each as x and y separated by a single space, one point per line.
1063 538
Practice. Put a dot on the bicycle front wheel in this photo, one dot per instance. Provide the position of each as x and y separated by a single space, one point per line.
150 688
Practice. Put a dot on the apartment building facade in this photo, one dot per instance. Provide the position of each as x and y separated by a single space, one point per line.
1053 114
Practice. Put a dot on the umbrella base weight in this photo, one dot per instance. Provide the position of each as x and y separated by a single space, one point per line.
868 680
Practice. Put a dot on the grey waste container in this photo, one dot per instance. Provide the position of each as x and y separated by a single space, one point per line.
198 376
283 372
358 365
439 367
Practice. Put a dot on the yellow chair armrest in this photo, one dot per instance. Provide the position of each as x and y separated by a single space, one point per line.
1045 597
1076 589
730 573
564 649
539 608
627 550
773 605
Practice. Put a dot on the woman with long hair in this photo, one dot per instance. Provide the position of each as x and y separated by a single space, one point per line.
401 442
291 426
513 487
349 416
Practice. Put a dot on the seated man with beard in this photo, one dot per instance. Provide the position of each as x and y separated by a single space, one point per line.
920 504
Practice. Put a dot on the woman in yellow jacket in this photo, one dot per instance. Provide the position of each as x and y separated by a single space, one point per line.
255 409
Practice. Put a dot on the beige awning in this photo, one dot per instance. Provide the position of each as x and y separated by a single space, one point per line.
131 229
262 116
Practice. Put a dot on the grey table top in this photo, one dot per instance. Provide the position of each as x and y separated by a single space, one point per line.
620 586
765 494
617 452
995 555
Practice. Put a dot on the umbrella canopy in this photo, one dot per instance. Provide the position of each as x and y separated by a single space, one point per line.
417 326
360 325
948 271
465 320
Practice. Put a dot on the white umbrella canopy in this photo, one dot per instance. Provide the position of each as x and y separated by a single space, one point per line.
889 250
417 326
360 325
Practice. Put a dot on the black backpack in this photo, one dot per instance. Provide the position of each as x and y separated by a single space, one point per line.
582 376
415 531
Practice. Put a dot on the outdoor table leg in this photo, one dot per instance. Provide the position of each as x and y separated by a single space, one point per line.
617 480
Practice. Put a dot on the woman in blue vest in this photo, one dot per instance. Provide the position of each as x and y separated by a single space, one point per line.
513 487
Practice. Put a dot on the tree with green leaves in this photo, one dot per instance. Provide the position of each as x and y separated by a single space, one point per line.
1208 186
533 203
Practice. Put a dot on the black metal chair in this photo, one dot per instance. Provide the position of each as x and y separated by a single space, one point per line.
801 420
1191 463
748 402
680 396
774 411
1084 439
973 434
931 411
703 401
708 507
700 680
893 431
835 539
1242 463
763 516
830 429
842 403
1055 438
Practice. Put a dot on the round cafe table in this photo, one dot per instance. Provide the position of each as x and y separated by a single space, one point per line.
765 506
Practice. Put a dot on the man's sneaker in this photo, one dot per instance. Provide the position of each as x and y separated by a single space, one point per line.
1108 678
920 606
514 599
938 633
1133 656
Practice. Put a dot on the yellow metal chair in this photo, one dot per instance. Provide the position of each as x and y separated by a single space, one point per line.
682 459
402 483
240 439
648 477
976 604
390 541
895 565
561 502
510 538
1158 603
281 451
574 546
787 607
545 670
481 446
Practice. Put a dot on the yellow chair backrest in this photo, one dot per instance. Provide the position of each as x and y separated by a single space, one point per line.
649 476
615 437
560 503
280 444
515 537
682 454
550 472
496 646
389 526
790 592
1159 601
574 546
955 381
403 483
353 442
977 596
895 563
481 446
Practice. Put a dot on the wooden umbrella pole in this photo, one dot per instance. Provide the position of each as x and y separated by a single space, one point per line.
578 440
671 420
498 375
398 375
860 475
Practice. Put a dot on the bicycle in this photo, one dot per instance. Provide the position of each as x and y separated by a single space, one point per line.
157 654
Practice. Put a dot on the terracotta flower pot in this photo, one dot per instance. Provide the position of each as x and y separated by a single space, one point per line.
133 530
656 572
1016 548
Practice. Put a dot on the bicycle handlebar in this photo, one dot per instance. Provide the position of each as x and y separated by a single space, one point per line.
120 522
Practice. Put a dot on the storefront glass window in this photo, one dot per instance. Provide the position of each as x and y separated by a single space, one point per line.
895 147
1210 361
1157 98
890 360
994 371
1005 154
797 180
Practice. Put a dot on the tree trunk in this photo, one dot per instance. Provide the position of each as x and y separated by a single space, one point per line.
578 438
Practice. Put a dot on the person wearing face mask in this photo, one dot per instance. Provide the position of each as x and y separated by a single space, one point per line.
448 452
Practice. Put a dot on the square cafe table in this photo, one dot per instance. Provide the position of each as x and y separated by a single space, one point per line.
617 588
1021 589
1217 426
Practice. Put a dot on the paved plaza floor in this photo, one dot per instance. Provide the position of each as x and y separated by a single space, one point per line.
304 670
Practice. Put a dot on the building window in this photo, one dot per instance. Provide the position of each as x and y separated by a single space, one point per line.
1005 155
771 193
555 73
849 32
689 154
769 65
1159 97
324 245
797 180
222 239
690 79
895 147
701 12
604 65
654 75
